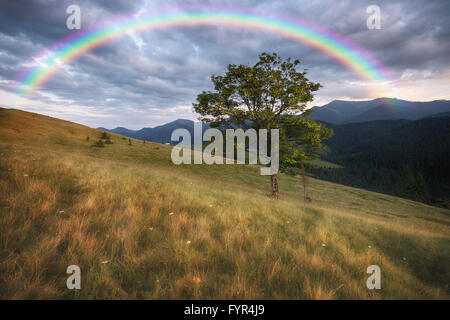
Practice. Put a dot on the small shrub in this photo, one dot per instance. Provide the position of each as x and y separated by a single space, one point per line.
104 135
108 141
99 144
87 138
129 142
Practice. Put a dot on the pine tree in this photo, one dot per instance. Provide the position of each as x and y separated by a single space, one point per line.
421 189
407 185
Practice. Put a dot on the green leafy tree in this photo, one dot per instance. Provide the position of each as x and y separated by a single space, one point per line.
268 95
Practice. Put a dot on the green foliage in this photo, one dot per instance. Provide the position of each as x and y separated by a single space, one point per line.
411 187
267 95
300 140
372 155
421 189
292 171
379 179
407 185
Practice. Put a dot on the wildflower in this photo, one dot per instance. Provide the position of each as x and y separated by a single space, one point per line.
323 244
188 242
25 175
170 213
61 211
150 228
105 262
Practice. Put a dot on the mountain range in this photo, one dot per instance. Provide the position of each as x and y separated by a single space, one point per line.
160 134
335 112
339 111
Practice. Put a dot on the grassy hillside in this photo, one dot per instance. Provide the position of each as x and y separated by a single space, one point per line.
140 227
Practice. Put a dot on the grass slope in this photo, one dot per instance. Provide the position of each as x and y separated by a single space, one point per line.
140 227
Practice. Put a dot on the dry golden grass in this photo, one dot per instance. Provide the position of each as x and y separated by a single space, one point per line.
142 228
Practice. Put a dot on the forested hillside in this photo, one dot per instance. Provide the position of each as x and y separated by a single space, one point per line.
374 155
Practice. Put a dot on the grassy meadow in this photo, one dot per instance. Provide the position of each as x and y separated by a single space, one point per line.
141 227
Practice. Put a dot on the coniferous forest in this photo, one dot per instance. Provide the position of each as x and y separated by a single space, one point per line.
401 157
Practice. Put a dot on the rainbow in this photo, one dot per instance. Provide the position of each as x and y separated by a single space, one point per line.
63 52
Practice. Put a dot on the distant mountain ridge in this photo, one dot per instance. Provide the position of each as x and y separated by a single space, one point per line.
335 112
339 112
160 134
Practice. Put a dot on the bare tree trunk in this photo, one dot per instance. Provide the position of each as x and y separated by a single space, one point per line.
273 180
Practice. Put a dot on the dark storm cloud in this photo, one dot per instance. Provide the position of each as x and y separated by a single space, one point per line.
416 35
43 18
166 69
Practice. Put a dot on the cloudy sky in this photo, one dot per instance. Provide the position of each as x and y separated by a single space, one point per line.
150 78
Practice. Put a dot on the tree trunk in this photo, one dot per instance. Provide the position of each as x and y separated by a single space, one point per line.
273 180
273 177
304 185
